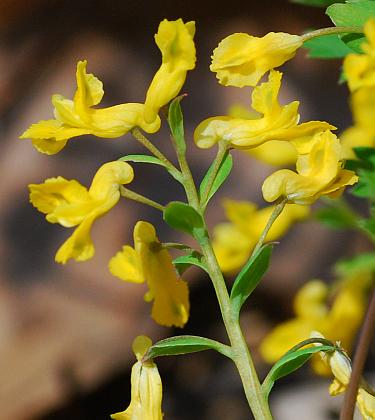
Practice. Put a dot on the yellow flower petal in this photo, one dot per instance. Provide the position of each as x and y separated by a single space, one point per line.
77 117
241 59
175 41
146 394
318 173
277 122
70 204
366 404
170 293
310 301
126 265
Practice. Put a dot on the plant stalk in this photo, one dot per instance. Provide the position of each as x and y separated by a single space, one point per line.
140 198
331 31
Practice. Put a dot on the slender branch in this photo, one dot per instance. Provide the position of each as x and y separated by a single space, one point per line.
275 214
364 342
221 151
154 150
140 198
331 31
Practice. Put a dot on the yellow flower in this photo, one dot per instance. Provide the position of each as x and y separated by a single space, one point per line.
318 173
340 366
276 123
149 261
175 41
338 322
362 133
359 69
234 241
273 152
146 387
241 59
77 117
71 204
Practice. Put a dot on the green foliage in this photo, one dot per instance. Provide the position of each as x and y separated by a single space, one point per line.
290 362
222 174
365 168
336 214
176 123
150 159
181 216
327 46
249 277
315 3
352 13
186 261
184 344
356 265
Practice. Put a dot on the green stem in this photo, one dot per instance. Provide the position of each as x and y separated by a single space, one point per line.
241 354
140 198
155 151
331 31
222 150
275 214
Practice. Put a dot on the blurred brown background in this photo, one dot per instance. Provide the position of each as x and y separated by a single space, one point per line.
66 331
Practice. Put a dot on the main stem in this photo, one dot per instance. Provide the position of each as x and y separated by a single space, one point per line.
241 354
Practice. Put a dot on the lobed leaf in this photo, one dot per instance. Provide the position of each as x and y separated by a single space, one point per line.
176 123
327 46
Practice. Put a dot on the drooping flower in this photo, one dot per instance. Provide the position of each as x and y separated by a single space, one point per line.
78 117
338 322
149 261
319 172
339 364
359 69
175 41
234 240
241 59
277 122
146 387
69 203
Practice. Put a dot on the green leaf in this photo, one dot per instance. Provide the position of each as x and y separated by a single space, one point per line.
290 362
354 42
356 265
316 3
327 46
186 261
184 344
150 159
249 277
336 215
142 159
369 226
222 174
176 123
354 13
365 187
183 217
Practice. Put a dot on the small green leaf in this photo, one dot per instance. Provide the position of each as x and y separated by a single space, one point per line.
354 42
316 3
222 174
142 159
327 46
186 261
249 277
176 123
184 344
356 265
183 217
369 226
351 13
153 160
336 215
290 362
